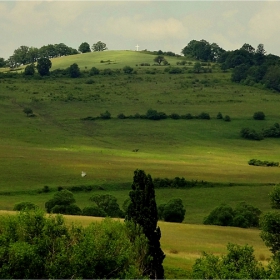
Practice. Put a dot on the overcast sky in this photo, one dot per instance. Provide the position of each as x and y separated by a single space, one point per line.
153 25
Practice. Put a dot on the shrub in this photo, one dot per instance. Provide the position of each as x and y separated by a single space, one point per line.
220 216
187 116
25 206
273 131
29 70
107 71
121 116
219 116
93 71
173 211
94 211
175 70
74 71
127 69
106 115
204 116
28 112
155 115
258 162
250 134
259 116
175 116
89 81
227 118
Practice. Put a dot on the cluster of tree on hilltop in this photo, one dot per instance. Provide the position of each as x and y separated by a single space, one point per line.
250 66
27 55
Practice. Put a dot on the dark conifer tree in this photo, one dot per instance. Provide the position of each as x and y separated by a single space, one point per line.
143 211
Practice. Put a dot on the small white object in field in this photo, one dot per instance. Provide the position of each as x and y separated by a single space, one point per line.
83 174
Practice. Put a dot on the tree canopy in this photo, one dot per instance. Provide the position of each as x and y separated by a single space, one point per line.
99 46
142 210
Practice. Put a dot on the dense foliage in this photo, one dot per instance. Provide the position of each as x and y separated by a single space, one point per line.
173 211
238 263
107 204
34 246
244 216
258 162
63 202
142 211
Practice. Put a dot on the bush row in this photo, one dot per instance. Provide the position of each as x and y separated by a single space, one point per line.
273 131
151 115
258 162
179 183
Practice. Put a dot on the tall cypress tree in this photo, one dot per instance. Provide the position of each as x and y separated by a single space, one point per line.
143 211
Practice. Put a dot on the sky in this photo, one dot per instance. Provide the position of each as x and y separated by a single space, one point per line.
153 25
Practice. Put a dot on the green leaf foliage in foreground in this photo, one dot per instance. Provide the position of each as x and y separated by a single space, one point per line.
34 246
239 263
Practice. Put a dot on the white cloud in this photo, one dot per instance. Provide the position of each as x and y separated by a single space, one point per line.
138 28
265 25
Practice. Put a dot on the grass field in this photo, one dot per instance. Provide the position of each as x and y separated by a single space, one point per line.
52 148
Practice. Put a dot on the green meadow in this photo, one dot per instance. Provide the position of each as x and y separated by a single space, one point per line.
52 148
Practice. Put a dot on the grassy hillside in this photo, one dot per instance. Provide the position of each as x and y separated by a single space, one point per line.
53 147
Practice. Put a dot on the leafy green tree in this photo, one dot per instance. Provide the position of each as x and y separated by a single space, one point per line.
238 263
36 246
275 197
84 48
272 77
21 55
159 59
43 66
173 211
28 112
246 215
107 203
2 62
62 199
143 211
99 46
74 71
270 226
220 216
248 48
32 55
25 206
29 70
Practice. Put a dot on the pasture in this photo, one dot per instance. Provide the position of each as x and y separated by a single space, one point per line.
56 145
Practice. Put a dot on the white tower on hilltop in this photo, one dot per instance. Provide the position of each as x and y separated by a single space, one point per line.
137 47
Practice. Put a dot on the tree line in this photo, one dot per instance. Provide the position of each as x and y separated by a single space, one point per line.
28 55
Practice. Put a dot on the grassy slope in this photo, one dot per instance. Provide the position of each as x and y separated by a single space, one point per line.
55 146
